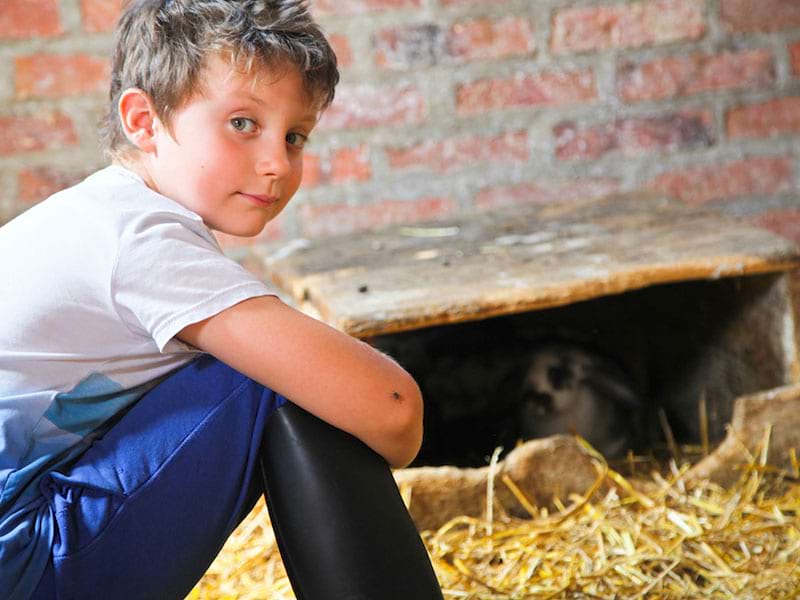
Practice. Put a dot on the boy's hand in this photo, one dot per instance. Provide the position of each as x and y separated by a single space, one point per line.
332 375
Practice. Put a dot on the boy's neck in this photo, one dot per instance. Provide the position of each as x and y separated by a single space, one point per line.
136 166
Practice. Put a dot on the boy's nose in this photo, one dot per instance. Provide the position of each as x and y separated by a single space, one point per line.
273 160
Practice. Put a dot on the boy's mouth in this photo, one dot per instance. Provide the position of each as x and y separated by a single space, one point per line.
261 199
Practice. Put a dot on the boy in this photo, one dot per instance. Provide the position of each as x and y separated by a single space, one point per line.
126 460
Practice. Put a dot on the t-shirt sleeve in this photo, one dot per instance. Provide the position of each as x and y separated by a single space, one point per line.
170 273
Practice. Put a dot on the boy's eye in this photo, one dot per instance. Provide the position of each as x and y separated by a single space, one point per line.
298 140
243 124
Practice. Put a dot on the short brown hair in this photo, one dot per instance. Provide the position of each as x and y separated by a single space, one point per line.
160 47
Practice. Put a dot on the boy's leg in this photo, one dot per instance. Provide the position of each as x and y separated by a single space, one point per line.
341 525
143 513
146 509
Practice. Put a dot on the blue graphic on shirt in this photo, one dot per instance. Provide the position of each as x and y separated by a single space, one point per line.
73 420
90 404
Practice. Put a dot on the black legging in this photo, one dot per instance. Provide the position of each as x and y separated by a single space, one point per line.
341 525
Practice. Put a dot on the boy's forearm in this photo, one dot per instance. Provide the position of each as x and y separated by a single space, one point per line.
338 378
377 401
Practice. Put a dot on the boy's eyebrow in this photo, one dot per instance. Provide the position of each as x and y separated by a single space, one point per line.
309 117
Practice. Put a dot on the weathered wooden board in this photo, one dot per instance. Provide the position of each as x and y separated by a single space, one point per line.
522 259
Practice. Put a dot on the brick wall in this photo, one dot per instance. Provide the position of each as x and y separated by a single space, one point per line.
452 105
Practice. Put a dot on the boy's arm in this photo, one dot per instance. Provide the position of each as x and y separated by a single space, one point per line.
334 376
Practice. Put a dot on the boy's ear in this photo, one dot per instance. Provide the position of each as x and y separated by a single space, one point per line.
138 118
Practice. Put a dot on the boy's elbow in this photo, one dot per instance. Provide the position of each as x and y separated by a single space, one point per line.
407 427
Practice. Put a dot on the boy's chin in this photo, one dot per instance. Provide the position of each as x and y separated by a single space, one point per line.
243 231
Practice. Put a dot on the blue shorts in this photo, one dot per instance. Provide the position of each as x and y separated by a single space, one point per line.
144 511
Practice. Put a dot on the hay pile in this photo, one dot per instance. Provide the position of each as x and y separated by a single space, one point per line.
658 538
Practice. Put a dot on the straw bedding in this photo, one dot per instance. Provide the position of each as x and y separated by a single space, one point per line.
626 537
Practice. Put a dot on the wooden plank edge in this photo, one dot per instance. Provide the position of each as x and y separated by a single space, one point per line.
554 297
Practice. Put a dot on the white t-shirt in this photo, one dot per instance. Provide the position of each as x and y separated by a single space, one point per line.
96 281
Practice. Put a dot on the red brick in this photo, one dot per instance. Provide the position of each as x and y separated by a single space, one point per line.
355 7
471 2
447 155
759 15
343 165
785 222
631 136
335 219
775 117
312 170
544 192
755 176
419 45
684 75
35 132
627 25
39 183
428 44
341 46
367 106
351 164
487 38
543 89
20 19
794 53
100 15
55 75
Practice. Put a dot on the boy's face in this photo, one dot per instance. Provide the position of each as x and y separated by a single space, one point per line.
235 155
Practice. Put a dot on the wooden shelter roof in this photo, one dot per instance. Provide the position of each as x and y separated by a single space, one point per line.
515 260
